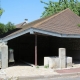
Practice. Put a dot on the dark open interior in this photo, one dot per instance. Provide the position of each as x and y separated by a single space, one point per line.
24 47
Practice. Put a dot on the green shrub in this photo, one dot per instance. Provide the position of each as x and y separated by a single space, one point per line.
46 66
37 66
78 25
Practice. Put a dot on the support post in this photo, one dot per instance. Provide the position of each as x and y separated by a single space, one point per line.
35 49
4 55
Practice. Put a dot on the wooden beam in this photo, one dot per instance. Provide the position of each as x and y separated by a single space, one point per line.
36 49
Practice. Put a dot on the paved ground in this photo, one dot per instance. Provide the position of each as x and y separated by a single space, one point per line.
59 78
31 73
69 78
41 72
27 71
74 70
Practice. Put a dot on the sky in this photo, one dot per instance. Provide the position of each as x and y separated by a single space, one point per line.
18 10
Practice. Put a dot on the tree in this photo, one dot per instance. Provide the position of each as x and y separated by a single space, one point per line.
50 8
55 7
10 26
1 11
6 27
2 28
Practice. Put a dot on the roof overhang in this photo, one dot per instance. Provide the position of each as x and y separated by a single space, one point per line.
35 30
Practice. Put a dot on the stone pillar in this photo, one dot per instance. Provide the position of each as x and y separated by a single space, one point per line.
46 61
62 57
0 54
69 61
4 56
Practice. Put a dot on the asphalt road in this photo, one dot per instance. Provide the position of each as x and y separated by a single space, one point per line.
60 78
63 78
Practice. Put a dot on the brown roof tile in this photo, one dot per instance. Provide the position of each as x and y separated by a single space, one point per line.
20 25
65 22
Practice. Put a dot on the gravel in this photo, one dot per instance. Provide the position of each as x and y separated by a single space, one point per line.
29 71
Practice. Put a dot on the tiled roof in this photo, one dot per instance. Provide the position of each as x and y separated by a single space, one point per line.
20 25
65 22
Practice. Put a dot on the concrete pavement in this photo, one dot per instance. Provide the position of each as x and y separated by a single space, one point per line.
71 70
63 74
58 78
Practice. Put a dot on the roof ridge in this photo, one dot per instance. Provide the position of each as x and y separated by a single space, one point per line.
50 17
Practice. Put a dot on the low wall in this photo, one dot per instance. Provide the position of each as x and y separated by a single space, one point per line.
54 62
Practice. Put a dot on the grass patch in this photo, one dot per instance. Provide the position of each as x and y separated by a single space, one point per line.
37 66
46 66
78 25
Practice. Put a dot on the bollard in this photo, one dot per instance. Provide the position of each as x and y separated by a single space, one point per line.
62 57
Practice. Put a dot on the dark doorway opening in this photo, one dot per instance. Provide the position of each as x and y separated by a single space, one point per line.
24 47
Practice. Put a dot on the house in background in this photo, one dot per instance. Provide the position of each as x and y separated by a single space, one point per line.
33 41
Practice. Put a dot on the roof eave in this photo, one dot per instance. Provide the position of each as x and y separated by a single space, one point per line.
63 35
35 30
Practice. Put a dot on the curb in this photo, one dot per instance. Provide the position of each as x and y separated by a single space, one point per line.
49 76
59 75
45 76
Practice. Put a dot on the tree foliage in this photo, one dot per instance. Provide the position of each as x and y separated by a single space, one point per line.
10 26
6 27
55 7
1 11
2 28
